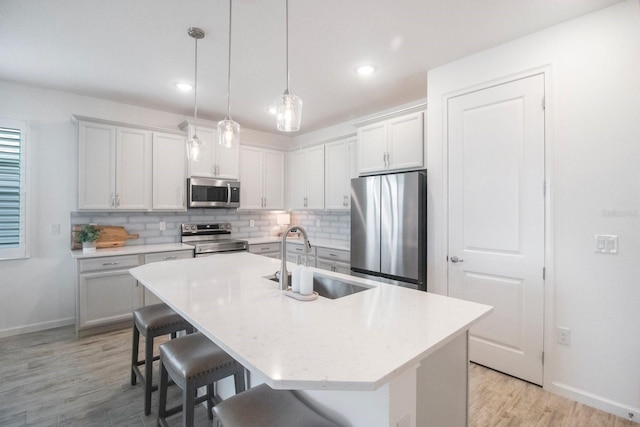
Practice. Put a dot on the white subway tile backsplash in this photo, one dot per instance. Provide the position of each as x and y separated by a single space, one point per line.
333 225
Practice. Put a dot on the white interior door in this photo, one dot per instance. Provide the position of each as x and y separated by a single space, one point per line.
496 220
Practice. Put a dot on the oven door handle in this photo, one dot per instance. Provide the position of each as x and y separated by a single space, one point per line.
228 193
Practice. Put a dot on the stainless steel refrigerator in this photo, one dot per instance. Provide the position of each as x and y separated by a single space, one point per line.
389 228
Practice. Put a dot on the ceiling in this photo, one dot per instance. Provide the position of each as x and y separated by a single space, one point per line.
135 51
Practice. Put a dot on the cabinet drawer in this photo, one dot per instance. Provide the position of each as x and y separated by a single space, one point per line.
167 256
265 248
294 248
109 263
334 254
339 267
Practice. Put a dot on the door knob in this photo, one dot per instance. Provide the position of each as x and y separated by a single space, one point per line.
454 259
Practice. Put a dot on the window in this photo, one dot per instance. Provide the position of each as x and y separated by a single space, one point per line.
12 189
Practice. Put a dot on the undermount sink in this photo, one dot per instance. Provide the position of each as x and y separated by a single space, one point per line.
330 287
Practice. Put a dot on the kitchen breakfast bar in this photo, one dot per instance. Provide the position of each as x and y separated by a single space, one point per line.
386 356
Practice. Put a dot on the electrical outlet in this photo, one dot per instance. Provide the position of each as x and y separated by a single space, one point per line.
55 228
606 243
252 223
162 226
564 336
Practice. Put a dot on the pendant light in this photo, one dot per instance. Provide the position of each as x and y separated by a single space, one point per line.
228 130
194 144
288 106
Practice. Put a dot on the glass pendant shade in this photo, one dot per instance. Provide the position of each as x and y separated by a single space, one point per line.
288 112
228 133
194 148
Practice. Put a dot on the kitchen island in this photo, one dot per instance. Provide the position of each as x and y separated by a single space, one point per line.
387 356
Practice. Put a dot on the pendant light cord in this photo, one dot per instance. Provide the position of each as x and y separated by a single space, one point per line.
286 14
195 93
229 70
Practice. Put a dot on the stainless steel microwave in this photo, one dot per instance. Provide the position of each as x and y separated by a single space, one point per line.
213 193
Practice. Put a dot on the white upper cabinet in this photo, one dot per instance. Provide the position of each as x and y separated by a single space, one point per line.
261 178
133 169
273 168
114 167
393 144
340 167
215 161
169 172
306 178
96 165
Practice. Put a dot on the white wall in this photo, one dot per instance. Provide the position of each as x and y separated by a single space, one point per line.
39 292
593 158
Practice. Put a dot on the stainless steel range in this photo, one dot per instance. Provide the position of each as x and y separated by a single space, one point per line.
211 239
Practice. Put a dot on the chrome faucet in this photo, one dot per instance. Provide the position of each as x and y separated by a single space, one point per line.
284 275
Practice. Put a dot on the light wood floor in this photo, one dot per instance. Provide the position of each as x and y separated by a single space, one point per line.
52 378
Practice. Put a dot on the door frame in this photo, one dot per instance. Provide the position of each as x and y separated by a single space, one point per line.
442 273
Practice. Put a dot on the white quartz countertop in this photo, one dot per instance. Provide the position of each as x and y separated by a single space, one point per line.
358 342
131 250
324 243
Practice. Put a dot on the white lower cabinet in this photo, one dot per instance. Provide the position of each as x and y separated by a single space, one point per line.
107 294
333 260
297 255
271 250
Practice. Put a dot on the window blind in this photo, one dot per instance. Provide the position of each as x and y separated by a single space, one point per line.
10 191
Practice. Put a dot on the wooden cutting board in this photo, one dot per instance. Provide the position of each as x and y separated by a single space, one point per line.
111 236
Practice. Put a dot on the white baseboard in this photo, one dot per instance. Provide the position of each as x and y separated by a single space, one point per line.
596 401
36 327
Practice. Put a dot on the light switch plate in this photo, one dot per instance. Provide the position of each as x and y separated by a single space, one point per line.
606 243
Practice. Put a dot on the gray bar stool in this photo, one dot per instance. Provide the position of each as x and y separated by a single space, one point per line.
194 361
152 321
264 406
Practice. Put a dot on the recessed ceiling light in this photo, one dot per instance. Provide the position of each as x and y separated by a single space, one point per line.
185 87
365 70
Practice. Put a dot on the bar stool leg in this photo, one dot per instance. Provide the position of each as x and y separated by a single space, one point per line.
238 378
148 373
210 401
134 354
164 383
188 404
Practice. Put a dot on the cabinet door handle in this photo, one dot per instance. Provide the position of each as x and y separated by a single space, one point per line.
264 249
228 194
110 263
113 200
333 255
117 200
171 257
